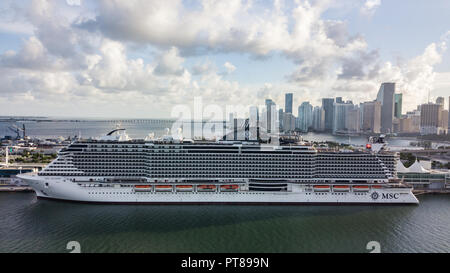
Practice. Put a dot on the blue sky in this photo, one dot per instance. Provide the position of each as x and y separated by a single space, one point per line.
142 58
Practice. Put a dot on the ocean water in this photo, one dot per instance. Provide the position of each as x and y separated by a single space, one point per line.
31 225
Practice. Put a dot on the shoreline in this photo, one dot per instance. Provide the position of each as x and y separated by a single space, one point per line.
432 192
12 188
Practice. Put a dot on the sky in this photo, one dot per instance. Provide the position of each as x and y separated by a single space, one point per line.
143 58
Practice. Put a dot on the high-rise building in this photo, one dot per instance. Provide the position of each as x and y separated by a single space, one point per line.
288 122
398 98
406 125
269 106
327 106
281 120
340 111
386 97
305 116
448 124
415 121
440 101
371 117
254 123
288 103
318 119
444 120
431 119
352 119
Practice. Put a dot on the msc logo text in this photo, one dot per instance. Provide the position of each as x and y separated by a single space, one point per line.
389 195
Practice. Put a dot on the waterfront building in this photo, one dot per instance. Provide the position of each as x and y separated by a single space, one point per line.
8 174
406 125
386 97
281 121
352 120
270 106
398 100
327 106
305 116
371 117
339 116
431 119
288 122
318 119
422 178
415 120
444 121
288 103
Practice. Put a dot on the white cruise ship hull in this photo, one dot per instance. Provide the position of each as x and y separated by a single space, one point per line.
63 189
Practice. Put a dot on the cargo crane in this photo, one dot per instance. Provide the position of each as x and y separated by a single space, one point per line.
18 130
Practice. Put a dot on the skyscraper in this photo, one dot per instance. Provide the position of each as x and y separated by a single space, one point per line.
305 116
340 112
288 103
386 97
440 101
281 120
398 98
318 119
371 117
352 119
431 119
327 106
269 106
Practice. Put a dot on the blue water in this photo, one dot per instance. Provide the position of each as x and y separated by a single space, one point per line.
31 225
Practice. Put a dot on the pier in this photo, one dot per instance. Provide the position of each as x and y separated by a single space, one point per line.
12 188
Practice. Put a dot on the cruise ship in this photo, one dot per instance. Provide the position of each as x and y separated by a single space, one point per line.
117 169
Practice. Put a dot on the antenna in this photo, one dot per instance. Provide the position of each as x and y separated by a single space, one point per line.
7 156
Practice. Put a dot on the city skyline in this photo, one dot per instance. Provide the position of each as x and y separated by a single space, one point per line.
69 58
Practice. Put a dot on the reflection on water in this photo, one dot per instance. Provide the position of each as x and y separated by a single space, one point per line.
30 225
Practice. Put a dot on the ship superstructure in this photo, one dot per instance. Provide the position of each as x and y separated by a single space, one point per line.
120 170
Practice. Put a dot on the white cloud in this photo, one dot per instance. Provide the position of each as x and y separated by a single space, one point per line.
73 2
170 62
369 7
89 64
229 67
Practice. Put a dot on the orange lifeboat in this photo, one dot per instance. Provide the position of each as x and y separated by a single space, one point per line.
229 187
341 188
206 187
322 188
184 187
361 188
377 187
142 187
163 188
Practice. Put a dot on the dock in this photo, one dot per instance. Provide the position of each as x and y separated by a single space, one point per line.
11 188
421 192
